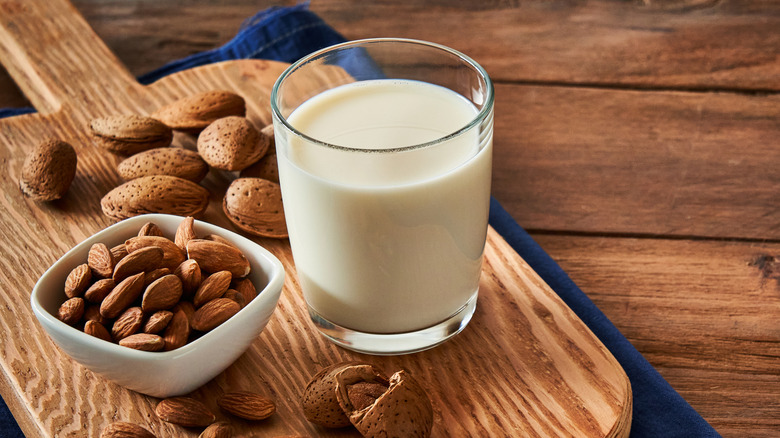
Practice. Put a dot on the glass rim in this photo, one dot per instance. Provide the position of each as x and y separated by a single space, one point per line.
481 115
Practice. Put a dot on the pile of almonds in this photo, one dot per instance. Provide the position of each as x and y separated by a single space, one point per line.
164 179
152 293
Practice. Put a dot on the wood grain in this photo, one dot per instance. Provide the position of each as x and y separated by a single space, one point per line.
704 313
525 364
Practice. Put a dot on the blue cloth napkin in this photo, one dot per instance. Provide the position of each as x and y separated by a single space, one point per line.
286 34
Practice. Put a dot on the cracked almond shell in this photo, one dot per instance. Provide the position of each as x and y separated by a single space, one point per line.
319 402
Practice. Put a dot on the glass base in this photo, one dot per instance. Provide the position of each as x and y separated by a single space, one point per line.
396 343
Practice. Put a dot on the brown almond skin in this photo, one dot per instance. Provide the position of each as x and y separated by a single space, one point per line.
143 342
216 256
158 321
150 229
214 286
255 206
141 260
236 296
172 254
214 313
189 274
185 232
121 429
119 252
48 170
247 405
127 291
219 429
92 313
129 134
71 311
78 281
184 411
194 113
152 276
101 260
155 194
99 290
245 287
98 330
128 323
178 162
231 143
162 294
177 332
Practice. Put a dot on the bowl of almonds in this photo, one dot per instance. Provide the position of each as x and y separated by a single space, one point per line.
159 303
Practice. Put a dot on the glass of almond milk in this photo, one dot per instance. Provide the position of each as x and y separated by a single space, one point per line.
384 149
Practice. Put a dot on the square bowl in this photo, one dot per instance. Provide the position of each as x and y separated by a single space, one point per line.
170 373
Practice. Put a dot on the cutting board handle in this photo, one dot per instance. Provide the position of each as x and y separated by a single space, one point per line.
56 58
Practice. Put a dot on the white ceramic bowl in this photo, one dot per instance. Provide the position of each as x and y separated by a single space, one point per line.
160 374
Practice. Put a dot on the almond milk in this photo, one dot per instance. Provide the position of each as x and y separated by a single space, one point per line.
388 239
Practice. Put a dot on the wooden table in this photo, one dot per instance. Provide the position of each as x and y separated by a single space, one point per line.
638 142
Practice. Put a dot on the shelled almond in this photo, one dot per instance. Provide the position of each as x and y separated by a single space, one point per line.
158 297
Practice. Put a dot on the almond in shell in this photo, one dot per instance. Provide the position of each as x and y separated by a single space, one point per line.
129 134
217 256
255 206
155 194
231 143
178 162
48 171
196 112
266 168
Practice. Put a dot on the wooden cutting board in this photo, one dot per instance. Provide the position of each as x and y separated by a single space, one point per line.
525 366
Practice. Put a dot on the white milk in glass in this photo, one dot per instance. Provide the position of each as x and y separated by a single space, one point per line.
397 239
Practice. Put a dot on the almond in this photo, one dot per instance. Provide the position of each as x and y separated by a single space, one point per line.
143 341
185 232
92 313
98 330
245 287
172 254
216 256
184 411
78 280
71 311
129 134
127 291
155 194
141 260
247 405
236 296
152 276
48 170
150 229
214 286
219 429
231 143
119 252
214 313
220 239
255 206
177 332
158 321
187 307
99 290
178 162
100 260
198 111
266 168
162 294
189 274
128 323
121 429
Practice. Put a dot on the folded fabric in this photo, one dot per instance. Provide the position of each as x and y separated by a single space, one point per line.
286 34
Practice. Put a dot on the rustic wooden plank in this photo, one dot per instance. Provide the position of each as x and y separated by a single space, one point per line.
638 162
560 379
704 313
